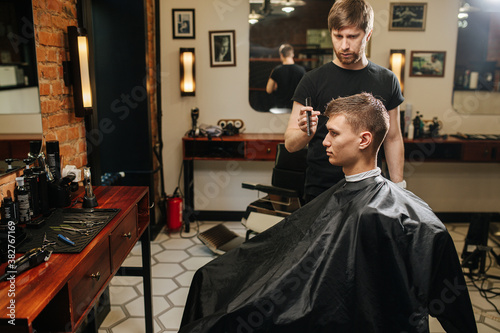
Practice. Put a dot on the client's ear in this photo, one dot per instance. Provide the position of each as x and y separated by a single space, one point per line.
366 140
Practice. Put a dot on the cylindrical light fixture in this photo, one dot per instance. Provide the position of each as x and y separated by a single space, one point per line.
397 65
80 73
188 81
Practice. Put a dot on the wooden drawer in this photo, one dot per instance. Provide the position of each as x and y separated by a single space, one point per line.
90 276
482 152
123 238
261 150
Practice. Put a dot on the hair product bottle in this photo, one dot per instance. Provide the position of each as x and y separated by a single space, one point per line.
31 184
53 158
23 200
9 211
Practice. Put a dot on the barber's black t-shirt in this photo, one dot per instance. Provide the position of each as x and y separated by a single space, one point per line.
326 83
287 77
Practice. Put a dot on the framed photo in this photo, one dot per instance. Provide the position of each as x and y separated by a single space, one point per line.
407 16
222 48
427 63
183 23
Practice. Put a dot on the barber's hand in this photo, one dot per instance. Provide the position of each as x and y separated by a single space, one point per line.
302 120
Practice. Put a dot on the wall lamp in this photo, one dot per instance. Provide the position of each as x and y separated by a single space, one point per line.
397 65
188 81
76 71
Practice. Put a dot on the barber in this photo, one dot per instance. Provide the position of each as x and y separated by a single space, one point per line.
350 23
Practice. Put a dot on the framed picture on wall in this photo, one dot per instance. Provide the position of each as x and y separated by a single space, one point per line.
183 23
222 48
427 63
407 16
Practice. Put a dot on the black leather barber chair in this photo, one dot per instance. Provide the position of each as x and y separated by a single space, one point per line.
282 197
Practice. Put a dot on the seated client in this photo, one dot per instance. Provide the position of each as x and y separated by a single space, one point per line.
365 256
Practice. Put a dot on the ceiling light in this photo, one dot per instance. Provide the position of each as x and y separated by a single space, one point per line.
253 17
289 5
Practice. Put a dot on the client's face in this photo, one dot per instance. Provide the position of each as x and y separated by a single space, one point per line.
341 142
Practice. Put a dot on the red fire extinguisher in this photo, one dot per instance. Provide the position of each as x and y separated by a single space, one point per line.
174 211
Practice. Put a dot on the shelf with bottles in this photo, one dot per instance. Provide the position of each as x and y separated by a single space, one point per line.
486 78
17 76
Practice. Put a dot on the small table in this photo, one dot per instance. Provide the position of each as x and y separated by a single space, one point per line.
241 147
452 149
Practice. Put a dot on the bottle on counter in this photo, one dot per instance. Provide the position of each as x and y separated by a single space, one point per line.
43 189
411 131
53 158
9 211
23 201
417 126
31 184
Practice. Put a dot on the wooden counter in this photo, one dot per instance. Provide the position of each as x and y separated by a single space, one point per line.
60 294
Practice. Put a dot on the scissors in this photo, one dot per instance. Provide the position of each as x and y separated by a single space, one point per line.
46 243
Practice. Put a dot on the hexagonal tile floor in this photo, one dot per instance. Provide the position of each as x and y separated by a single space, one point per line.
175 259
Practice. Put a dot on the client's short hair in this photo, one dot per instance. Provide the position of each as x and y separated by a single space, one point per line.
364 113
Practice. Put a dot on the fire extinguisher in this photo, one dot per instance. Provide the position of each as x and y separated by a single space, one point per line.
174 211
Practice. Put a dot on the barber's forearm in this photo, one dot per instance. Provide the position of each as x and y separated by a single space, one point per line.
295 139
394 155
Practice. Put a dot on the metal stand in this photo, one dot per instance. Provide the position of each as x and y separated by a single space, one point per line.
477 236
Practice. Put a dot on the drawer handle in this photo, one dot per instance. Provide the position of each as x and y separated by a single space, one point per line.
268 150
96 276
129 235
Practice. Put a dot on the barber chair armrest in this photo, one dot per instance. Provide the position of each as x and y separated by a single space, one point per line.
271 189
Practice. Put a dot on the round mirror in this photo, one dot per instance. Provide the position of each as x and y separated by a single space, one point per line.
302 24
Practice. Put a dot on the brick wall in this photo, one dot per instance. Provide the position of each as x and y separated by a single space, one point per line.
51 19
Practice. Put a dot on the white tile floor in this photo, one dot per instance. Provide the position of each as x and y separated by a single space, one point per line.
175 260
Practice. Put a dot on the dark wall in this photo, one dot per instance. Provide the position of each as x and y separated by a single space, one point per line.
123 137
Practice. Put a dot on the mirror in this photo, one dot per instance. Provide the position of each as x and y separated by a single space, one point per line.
20 117
304 28
477 68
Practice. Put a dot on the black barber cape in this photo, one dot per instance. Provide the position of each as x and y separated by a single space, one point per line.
362 257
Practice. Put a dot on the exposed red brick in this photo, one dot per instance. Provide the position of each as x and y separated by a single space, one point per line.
48 71
44 88
57 87
58 120
67 151
54 5
73 133
53 55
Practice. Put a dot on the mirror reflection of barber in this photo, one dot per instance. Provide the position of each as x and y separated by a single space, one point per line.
284 78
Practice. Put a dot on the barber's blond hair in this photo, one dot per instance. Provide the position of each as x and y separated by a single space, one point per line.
346 13
364 113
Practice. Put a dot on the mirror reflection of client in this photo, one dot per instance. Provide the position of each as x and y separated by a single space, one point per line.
364 256
284 79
